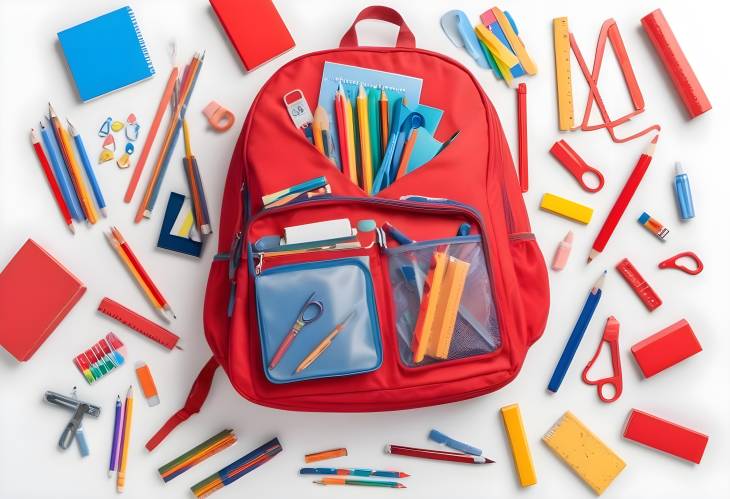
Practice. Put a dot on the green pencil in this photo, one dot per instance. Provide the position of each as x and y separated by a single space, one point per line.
366 483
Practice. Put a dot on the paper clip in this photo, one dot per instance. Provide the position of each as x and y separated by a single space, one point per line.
610 336
220 118
572 162
671 263
105 127
458 29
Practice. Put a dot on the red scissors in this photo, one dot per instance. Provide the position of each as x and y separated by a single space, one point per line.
671 263
310 312
610 336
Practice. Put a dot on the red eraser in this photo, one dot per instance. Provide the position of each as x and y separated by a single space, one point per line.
665 436
685 81
646 293
669 346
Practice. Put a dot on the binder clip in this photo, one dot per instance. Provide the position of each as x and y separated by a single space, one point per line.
610 336
73 429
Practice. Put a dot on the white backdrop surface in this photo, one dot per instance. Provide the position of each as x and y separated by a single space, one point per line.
694 393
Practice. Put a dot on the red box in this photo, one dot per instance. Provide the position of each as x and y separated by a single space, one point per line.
665 436
666 348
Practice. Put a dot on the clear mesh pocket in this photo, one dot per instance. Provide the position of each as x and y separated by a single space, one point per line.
443 301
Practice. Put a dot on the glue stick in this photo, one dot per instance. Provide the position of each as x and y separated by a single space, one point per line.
147 383
684 194
563 252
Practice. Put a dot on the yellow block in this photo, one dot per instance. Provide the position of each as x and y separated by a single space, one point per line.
527 63
563 79
495 46
584 452
447 308
512 419
427 312
566 208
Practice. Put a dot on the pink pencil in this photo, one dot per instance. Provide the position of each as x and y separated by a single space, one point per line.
164 103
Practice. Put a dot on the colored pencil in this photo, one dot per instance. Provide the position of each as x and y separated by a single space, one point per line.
141 271
317 130
51 180
365 483
323 345
364 128
116 437
88 169
73 167
197 454
237 469
438 455
374 123
61 174
384 116
350 130
522 136
164 104
341 121
322 122
171 136
352 472
609 225
406 157
200 206
571 346
138 278
124 453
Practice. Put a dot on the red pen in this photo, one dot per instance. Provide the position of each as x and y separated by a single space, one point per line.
623 200
439 455
51 180
522 135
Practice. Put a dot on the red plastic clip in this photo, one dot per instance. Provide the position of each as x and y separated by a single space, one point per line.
610 336
572 162
671 263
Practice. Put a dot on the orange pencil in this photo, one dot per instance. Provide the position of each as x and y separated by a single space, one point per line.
126 431
406 157
127 263
384 118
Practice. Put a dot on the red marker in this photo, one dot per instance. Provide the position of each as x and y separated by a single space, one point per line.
522 135
623 200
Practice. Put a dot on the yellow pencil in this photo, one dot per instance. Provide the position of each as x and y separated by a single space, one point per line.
365 156
317 130
126 431
350 130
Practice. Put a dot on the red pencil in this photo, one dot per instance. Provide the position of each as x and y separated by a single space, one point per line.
341 128
522 135
436 454
51 180
623 199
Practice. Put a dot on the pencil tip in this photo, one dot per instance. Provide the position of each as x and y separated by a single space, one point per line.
104 211
72 228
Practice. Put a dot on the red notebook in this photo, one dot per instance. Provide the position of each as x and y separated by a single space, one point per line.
36 293
255 29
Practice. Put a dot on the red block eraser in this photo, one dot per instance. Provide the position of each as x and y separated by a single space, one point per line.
665 436
669 346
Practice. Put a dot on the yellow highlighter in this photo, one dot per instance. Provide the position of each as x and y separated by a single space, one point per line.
365 153
512 419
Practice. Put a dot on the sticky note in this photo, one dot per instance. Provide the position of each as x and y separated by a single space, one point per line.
512 419
566 208
666 348
584 452
665 436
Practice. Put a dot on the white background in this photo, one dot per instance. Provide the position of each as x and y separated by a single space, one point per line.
694 393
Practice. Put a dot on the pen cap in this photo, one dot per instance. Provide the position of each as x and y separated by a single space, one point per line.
683 193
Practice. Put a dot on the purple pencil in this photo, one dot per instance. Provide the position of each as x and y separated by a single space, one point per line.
116 438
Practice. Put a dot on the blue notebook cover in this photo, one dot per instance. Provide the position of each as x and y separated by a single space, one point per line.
106 53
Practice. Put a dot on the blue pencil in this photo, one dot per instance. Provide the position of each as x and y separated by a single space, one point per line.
59 170
577 335
114 458
88 169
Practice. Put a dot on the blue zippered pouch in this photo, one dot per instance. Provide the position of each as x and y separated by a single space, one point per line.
344 288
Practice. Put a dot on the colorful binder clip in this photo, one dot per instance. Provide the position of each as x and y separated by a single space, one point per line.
610 336
671 263
220 118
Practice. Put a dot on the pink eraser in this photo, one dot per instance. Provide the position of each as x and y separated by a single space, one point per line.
665 436
562 252
669 346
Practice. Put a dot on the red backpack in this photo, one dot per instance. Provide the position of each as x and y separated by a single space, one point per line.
471 181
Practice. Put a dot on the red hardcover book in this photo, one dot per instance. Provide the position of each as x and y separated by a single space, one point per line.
36 293
255 29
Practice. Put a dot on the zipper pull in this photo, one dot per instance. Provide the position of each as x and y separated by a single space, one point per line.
260 264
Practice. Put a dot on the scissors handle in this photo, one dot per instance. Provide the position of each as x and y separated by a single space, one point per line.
610 336
577 167
671 263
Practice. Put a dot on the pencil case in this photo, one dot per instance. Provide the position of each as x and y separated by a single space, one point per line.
443 300
343 288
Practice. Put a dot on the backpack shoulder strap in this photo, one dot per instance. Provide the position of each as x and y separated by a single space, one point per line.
196 399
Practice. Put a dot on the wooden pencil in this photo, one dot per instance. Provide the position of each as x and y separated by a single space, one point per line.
124 453
51 180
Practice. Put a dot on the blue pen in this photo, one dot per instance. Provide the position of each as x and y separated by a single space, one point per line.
59 170
88 169
577 335
449 442
382 179
352 472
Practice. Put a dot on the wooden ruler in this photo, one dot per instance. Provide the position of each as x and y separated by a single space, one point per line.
564 83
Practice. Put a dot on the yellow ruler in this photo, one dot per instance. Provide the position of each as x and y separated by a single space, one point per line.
563 80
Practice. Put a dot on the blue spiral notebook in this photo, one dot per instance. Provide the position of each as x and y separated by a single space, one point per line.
106 53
